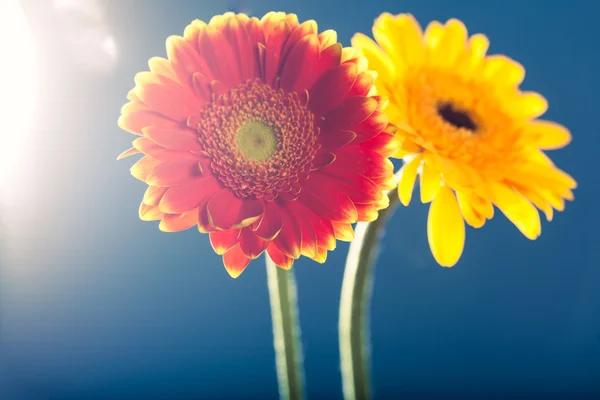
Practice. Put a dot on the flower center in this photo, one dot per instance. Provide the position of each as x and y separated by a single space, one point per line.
455 116
256 140
260 141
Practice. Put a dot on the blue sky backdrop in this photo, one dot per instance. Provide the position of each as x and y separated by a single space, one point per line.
96 304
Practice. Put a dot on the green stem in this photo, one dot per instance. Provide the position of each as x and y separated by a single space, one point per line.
286 331
355 302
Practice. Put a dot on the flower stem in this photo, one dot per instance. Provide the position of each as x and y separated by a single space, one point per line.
355 302
286 331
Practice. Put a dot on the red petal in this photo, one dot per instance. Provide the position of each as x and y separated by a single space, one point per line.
366 212
327 201
221 57
178 222
371 127
321 255
289 240
174 172
323 229
331 57
280 259
298 33
255 32
174 138
189 195
153 195
322 159
152 149
201 86
235 261
129 152
332 88
222 241
336 139
362 85
142 168
163 67
238 37
172 101
384 144
226 210
136 121
343 231
270 224
251 245
185 59
309 237
297 74
358 187
149 213
350 113
273 48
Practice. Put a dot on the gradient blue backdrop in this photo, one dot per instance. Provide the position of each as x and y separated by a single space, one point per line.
96 304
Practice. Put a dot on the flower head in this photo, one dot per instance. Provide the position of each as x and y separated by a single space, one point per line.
466 130
264 134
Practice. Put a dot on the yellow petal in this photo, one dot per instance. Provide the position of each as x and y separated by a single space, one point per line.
445 228
431 38
538 201
503 70
407 179
547 135
430 182
472 217
478 46
378 60
526 105
400 37
452 43
518 210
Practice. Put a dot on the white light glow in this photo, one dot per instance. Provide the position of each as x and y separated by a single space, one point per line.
17 83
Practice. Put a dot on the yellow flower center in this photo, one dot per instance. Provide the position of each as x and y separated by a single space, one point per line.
256 140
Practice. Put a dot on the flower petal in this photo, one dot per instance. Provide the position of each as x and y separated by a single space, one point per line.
430 182
349 113
174 138
172 101
174 172
252 246
518 210
328 202
235 261
547 135
343 231
226 210
222 241
331 88
445 228
280 259
189 196
269 226
149 213
297 74
178 222
407 179
289 239
153 195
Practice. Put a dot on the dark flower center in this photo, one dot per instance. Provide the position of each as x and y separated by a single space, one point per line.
456 117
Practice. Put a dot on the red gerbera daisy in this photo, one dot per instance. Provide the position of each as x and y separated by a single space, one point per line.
263 133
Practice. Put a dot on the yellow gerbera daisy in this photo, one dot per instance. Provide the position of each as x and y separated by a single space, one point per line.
467 130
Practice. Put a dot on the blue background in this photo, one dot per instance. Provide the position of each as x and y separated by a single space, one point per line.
96 304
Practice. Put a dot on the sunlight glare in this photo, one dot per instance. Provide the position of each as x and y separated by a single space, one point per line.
17 84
